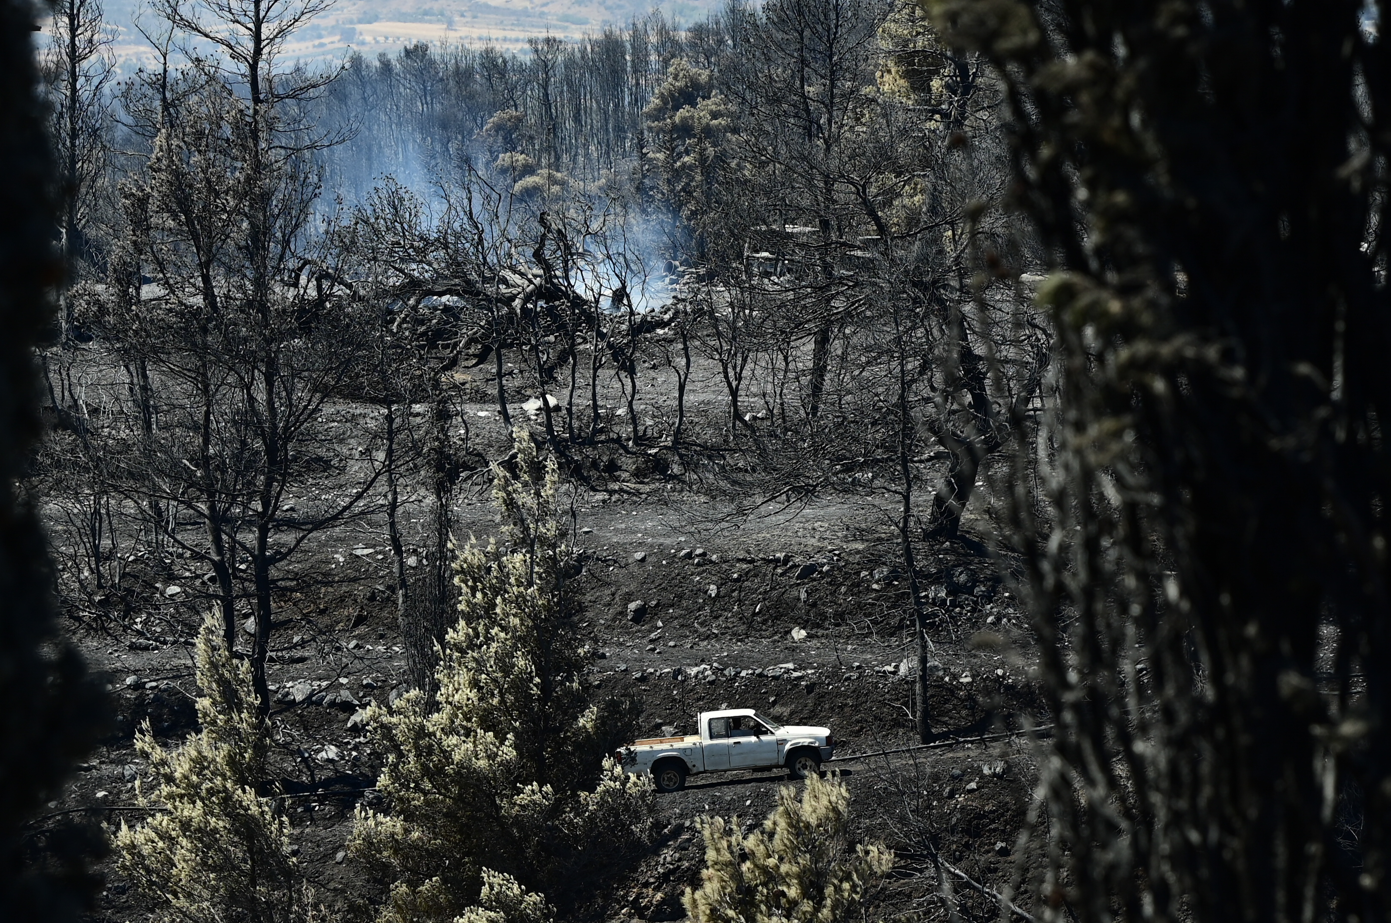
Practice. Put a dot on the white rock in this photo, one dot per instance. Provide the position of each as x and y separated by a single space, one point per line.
533 406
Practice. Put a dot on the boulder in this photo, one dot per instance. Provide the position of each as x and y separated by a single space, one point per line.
341 698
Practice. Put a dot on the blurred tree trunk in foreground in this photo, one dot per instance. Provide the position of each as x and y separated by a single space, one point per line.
1209 571
52 709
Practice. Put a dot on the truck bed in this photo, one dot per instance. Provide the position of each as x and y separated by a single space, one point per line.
662 741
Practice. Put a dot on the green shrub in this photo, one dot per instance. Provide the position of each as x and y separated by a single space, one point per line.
799 868
498 792
214 849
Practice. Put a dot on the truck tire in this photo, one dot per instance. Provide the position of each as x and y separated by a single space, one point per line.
804 762
669 776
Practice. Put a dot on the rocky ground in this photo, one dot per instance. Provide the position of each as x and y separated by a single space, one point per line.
688 605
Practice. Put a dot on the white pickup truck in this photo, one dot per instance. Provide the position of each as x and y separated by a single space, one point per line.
737 738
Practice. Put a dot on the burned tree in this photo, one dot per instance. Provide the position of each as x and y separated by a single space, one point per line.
244 333
1208 576
56 708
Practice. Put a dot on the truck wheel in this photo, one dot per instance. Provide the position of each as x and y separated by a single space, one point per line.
803 763
669 776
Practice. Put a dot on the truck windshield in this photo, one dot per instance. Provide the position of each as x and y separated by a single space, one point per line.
772 725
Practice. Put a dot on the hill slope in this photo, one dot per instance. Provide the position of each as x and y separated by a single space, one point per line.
371 26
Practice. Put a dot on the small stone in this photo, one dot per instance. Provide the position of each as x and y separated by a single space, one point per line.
358 721
700 552
173 590
132 681
413 561
1001 848
805 572
342 854
971 786
329 754
956 774
639 556
637 611
712 591
799 634
129 772
364 552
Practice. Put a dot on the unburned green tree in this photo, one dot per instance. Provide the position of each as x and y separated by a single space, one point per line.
499 794
214 848
800 867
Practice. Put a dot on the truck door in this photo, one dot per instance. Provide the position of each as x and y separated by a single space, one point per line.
753 746
716 748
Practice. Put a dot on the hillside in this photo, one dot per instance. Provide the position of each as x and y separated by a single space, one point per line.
376 27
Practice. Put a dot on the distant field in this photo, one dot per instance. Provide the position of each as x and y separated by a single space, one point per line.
373 26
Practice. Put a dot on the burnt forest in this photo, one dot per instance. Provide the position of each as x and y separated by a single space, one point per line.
405 445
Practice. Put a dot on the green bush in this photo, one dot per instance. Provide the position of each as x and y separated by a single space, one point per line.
214 850
798 868
499 791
